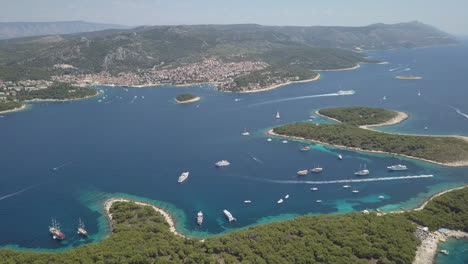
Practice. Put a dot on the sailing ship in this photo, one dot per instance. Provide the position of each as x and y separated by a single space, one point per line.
200 218
245 133
362 172
183 177
316 169
229 215
54 230
81 228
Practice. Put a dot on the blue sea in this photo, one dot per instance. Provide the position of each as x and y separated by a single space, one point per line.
63 159
458 252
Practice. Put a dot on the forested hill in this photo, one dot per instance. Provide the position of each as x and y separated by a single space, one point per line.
142 48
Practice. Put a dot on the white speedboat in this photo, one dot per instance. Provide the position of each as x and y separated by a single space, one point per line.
229 215
247 201
183 177
287 196
245 133
280 201
284 141
340 157
318 201
346 186
397 167
222 163
269 139
355 191
314 189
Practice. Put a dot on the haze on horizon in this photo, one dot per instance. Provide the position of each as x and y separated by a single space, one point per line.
448 15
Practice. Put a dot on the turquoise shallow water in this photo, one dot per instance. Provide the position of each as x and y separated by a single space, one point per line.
458 252
136 142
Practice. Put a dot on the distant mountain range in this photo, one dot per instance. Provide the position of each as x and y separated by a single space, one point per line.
142 48
27 29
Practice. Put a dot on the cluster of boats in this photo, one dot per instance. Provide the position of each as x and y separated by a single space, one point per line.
57 234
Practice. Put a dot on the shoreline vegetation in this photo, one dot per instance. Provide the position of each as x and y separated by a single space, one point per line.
275 86
144 233
17 109
353 128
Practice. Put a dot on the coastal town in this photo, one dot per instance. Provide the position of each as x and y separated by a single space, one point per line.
210 70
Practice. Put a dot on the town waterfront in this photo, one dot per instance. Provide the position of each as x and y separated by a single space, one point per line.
63 159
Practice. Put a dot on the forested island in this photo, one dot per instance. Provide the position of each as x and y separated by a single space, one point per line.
141 235
351 133
186 98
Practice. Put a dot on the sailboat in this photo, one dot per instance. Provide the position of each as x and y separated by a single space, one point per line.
245 133
419 93
81 228
384 98
362 172
316 169
277 115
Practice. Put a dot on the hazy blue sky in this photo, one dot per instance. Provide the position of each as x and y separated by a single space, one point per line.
448 15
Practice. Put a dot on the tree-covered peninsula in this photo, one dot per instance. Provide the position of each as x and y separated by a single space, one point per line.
57 91
447 150
141 235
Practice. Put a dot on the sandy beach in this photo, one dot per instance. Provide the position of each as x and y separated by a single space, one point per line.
169 219
281 84
188 101
22 107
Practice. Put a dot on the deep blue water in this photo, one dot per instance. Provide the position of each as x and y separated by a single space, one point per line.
137 148
458 252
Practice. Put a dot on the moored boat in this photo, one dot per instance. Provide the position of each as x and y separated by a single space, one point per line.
355 191
269 139
284 141
247 201
397 167
81 228
200 218
287 196
306 148
362 172
55 231
302 172
277 115
316 169
314 189
229 215
346 186
280 201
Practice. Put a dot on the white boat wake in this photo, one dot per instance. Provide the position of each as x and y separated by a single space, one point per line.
351 180
458 111
339 93
63 165
257 160
394 69
16 193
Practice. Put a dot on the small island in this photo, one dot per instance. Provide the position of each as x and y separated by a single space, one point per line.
186 98
409 77
352 132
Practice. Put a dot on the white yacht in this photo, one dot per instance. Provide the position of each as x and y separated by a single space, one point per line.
222 163
314 189
287 196
302 172
280 201
384 98
200 218
183 177
355 191
229 215
269 139
316 169
397 167
318 201
247 201
340 157
346 186
245 133
284 141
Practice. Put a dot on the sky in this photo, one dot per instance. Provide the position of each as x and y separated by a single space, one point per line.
447 15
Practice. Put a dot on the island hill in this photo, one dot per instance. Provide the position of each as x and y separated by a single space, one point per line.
143 233
238 58
352 132
15 98
186 98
